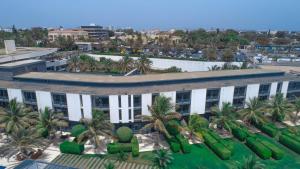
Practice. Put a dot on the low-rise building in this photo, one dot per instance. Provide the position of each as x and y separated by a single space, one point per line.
75 34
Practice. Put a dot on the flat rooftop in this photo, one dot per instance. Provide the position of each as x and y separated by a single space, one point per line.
106 79
19 63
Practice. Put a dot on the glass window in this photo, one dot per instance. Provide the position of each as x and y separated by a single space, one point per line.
129 114
59 99
182 97
264 89
101 102
137 112
279 87
240 91
212 94
210 105
3 94
137 101
154 95
129 100
239 102
119 100
120 114
29 97
183 109
294 86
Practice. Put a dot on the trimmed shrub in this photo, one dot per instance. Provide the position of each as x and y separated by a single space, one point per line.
228 144
173 127
43 132
77 130
269 130
208 139
239 134
135 147
198 122
277 153
184 144
258 148
221 151
292 135
71 148
114 148
175 147
124 134
290 142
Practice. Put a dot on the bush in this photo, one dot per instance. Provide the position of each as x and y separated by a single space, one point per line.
124 134
277 153
173 127
239 134
269 130
113 148
175 147
135 147
198 122
258 148
208 139
292 135
77 130
184 144
71 148
221 151
228 144
43 132
290 142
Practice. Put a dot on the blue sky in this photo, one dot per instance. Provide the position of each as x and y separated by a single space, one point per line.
149 14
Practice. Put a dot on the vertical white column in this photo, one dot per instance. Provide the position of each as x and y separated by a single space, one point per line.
114 109
171 95
15 94
252 91
124 104
198 100
87 106
44 100
226 95
146 101
284 88
273 89
74 106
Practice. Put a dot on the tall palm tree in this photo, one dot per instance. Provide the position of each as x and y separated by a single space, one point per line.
98 125
22 141
161 113
16 116
74 64
279 107
223 116
126 64
253 111
194 125
162 158
143 64
52 121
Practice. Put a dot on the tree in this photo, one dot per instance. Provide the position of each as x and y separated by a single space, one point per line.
163 158
97 125
228 55
16 116
252 112
74 64
88 63
194 125
52 121
210 54
143 64
279 107
126 64
22 141
250 163
214 68
294 115
223 116
161 113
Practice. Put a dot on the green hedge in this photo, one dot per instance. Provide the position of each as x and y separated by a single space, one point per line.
221 151
239 134
277 153
268 129
77 130
135 147
228 144
174 144
173 127
288 133
290 142
258 148
71 148
124 134
184 144
208 139
113 148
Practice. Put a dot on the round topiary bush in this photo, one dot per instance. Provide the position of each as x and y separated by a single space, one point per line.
124 134
77 130
173 127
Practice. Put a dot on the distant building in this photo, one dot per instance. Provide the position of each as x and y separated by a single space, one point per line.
84 46
96 32
74 34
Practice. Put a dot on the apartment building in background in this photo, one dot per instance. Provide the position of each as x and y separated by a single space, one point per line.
75 34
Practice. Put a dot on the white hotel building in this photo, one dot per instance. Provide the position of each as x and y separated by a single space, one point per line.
123 98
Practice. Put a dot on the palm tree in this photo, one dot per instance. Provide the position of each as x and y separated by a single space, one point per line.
252 112
97 125
294 115
223 116
194 125
161 113
143 64
74 64
22 141
279 107
251 163
16 116
162 158
126 64
51 121
214 68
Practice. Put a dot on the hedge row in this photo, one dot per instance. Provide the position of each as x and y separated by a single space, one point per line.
277 153
135 147
258 148
239 133
184 144
221 151
113 148
71 147
290 134
290 142
174 145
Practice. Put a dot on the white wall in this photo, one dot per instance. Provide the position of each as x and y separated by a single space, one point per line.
87 106
226 95
15 94
171 95
198 99
273 89
146 101
252 91
284 88
44 100
114 109
185 65
74 107
124 104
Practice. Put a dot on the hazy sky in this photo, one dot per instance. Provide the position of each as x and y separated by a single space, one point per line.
149 14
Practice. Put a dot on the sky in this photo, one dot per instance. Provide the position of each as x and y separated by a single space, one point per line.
154 14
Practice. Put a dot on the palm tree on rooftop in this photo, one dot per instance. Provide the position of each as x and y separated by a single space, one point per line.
143 64
74 64
161 112
16 116
223 116
126 64
98 125
253 111
279 107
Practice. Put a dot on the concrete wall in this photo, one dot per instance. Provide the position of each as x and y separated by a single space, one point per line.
198 98
15 94
74 107
114 108
252 91
273 89
185 65
284 88
44 100
146 101
124 104
87 106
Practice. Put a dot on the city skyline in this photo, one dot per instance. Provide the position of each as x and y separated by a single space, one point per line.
192 14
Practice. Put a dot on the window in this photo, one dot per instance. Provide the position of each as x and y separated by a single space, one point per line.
120 114
119 100
59 100
101 102
212 99
137 101
293 90
294 86
279 87
137 114
154 95
129 100
3 94
239 102
129 114
183 102
210 105
240 91
29 97
239 96
264 92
